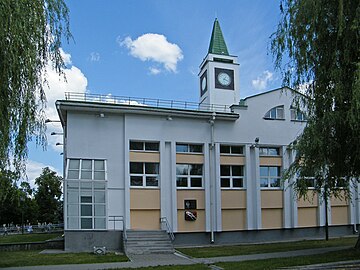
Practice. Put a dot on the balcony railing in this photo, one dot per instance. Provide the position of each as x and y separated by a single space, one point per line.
150 102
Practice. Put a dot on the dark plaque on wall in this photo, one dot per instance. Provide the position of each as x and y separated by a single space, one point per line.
190 204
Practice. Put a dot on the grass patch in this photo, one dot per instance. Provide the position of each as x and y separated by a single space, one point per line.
343 255
27 238
31 258
217 251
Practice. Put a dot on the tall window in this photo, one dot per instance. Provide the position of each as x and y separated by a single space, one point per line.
144 146
189 175
188 148
269 151
85 194
232 176
232 149
144 174
276 113
270 177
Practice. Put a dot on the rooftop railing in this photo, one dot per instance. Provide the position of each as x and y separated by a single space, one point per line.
150 102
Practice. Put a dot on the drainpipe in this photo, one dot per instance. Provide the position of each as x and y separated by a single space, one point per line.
212 147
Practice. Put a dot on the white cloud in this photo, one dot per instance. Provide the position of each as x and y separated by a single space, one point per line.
154 47
260 83
94 57
34 169
66 57
154 70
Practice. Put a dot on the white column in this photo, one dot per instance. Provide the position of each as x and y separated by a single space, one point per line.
207 185
172 165
126 178
217 190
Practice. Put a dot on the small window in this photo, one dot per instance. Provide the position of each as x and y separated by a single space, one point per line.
276 113
188 148
144 174
144 146
308 181
269 151
270 177
231 176
189 175
297 115
232 149
86 169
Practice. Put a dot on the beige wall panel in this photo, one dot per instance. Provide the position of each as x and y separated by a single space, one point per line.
233 220
307 217
191 226
189 158
233 199
145 219
272 218
310 201
339 201
232 160
144 198
188 194
144 157
271 199
270 161
339 215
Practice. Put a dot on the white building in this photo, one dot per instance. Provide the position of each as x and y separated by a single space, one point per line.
212 169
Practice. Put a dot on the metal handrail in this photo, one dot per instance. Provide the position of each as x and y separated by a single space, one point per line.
163 220
151 102
119 219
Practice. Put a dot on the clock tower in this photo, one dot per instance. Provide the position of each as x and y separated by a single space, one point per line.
219 73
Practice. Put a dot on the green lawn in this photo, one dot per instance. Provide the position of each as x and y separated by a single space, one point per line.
26 238
216 251
29 258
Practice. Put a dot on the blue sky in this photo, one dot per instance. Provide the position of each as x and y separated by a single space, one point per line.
153 49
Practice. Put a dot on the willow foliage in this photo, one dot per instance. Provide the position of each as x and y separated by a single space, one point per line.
30 38
317 46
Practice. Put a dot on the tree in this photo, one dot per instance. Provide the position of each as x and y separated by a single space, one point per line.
317 46
30 39
9 199
48 196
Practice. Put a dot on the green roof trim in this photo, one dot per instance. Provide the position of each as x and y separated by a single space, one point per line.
217 42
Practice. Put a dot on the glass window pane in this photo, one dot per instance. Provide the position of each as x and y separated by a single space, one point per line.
195 148
85 185
73 210
237 170
237 150
273 151
225 149
99 196
280 113
99 185
152 146
182 148
73 185
196 182
182 169
181 181
136 167
263 182
73 174
73 197
274 182
225 182
152 168
99 210
86 210
264 171
152 181
237 183
136 181
86 223
86 199
274 171
100 223
99 175
86 164
86 174
99 165
136 146
73 223
224 170
74 164
263 151
196 169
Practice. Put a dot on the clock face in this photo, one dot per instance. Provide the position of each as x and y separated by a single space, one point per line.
203 84
224 79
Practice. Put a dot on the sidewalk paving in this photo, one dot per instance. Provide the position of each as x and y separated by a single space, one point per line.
138 261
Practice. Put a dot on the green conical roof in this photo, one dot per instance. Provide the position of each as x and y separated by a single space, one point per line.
217 42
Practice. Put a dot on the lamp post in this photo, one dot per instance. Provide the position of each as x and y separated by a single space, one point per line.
22 211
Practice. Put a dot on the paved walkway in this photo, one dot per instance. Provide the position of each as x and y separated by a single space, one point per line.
138 261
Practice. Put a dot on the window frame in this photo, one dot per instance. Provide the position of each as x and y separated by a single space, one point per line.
144 175
269 177
231 177
294 113
189 176
268 115
189 145
231 150
144 146
80 169
268 154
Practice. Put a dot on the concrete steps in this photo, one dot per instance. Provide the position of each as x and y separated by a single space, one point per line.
148 242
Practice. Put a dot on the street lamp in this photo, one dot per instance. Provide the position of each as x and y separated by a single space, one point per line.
49 121
56 133
57 144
